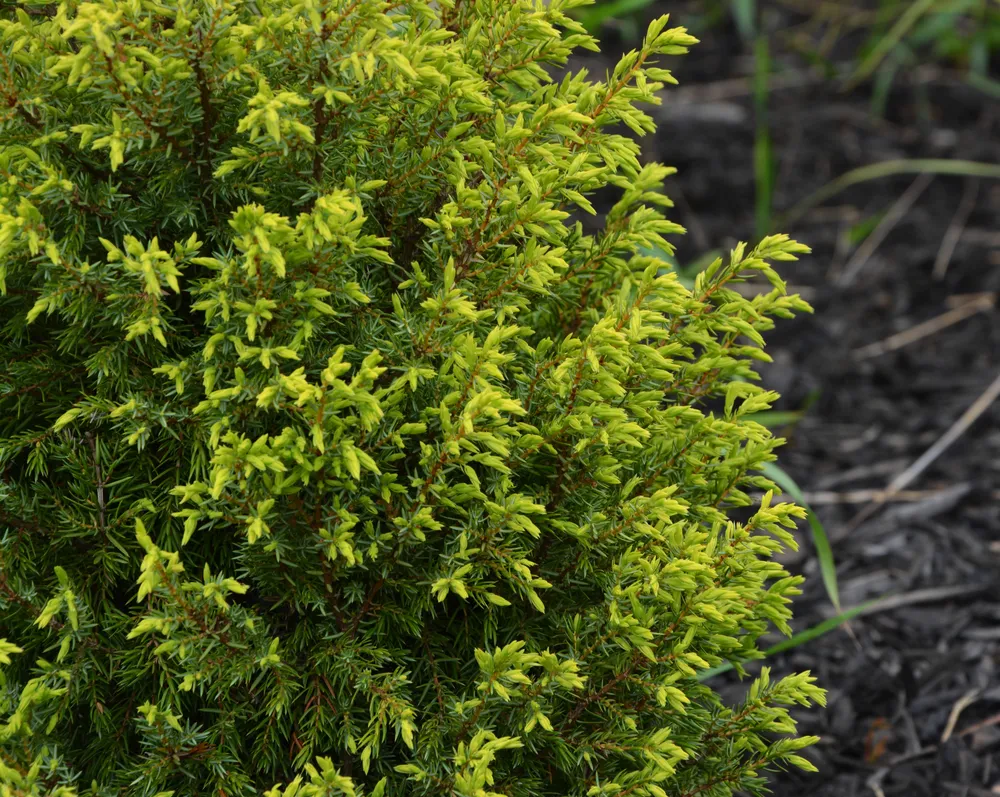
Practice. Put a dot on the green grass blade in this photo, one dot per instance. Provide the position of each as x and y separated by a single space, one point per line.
876 171
979 55
801 638
882 86
827 566
984 84
774 419
888 42
858 232
763 152
745 16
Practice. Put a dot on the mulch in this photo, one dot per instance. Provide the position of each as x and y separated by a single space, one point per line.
914 689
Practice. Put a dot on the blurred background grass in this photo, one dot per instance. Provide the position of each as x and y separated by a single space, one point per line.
849 39
850 42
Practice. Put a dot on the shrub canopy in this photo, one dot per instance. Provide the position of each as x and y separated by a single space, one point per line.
336 451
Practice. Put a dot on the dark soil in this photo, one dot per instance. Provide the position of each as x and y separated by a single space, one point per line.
914 691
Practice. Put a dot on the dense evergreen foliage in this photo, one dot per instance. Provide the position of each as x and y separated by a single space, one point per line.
335 452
